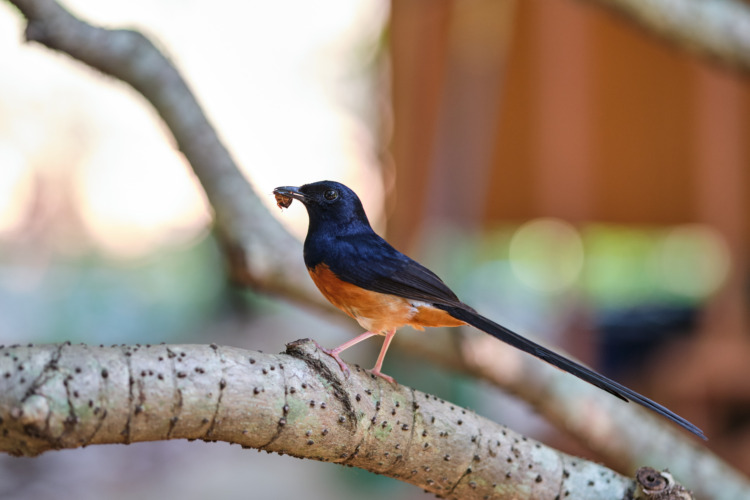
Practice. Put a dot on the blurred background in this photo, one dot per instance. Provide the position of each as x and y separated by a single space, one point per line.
567 173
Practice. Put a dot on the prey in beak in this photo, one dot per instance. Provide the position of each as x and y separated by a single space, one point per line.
286 194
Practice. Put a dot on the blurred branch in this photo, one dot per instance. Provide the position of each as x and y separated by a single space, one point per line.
719 29
262 254
298 403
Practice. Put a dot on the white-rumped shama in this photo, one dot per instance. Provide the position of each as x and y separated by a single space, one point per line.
383 289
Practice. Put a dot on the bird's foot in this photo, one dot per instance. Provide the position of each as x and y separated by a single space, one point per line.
334 353
385 377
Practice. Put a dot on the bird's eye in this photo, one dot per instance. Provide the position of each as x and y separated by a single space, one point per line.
331 194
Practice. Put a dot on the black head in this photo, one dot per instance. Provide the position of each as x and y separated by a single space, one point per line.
328 203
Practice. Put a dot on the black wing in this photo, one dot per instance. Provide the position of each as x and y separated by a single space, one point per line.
372 263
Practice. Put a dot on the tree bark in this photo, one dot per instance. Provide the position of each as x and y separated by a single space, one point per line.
298 403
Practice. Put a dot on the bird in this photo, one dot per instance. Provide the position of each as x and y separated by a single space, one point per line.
360 273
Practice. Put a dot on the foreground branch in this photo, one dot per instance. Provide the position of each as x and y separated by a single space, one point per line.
298 403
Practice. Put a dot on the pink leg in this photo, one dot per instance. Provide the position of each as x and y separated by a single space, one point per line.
379 364
334 353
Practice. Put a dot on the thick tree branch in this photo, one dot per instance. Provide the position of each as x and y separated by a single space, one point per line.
298 403
719 29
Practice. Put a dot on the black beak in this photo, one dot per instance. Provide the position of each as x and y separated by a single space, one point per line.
291 192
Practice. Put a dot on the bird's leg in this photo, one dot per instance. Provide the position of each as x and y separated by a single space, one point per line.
334 353
379 364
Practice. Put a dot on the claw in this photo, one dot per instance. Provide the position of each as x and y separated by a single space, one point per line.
334 353
385 377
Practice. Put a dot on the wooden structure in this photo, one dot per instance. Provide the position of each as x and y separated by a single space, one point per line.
506 111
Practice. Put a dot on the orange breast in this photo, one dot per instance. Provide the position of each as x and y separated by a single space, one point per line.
374 311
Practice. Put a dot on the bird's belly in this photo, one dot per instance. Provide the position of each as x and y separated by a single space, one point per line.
377 312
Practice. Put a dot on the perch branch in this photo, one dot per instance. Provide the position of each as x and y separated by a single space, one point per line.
297 403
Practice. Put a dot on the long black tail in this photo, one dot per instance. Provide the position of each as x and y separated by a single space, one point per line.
500 332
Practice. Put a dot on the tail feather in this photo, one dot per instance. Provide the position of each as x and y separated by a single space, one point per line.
500 332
